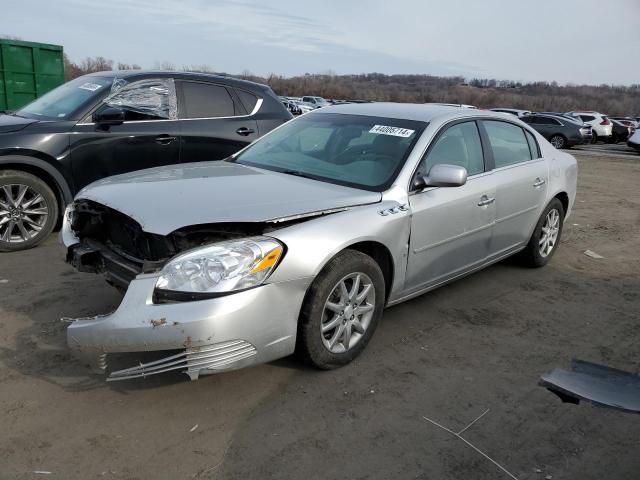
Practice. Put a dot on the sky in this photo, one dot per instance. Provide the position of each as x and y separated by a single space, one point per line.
568 41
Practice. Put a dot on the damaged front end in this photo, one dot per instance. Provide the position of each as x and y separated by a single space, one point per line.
220 331
113 244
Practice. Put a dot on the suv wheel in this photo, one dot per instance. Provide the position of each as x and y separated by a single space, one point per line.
594 138
341 310
558 141
28 210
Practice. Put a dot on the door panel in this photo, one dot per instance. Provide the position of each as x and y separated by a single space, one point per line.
216 138
450 232
101 152
520 193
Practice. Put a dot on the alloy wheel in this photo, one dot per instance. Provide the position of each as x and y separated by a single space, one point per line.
23 213
347 312
550 230
557 141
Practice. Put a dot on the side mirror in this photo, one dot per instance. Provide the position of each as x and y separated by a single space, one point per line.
442 175
108 115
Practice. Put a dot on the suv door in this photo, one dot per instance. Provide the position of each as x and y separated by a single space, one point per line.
216 124
148 137
521 176
451 226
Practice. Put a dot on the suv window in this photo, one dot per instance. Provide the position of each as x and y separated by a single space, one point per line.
249 100
587 118
530 119
205 100
508 143
548 121
458 145
151 99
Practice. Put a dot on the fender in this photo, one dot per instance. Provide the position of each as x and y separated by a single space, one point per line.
34 160
312 244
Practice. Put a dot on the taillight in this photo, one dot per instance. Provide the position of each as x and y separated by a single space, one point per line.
605 122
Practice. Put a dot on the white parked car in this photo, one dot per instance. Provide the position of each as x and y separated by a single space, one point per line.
318 102
512 111
601 126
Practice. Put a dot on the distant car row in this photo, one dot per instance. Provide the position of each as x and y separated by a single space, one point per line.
300 105
564 130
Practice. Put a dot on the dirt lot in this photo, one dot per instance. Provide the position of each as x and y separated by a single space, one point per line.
478 344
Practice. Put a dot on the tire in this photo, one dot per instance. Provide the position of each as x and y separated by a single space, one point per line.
21 193
558 141
532 255
594 138
313 345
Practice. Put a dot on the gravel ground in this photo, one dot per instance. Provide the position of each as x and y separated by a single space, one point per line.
480 343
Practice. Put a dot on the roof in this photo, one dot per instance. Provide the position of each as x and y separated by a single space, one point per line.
423 112
131 74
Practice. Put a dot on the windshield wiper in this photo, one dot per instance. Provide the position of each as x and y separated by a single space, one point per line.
298 173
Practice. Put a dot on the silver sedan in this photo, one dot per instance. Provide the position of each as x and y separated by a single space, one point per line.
298 242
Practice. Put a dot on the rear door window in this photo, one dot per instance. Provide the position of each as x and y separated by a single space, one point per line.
205 100
587 118
508 143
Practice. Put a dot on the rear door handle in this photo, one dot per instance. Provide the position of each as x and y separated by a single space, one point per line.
244 131
539 182
484 201
165 139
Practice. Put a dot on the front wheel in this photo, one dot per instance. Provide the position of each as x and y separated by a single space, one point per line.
28 210
546 236
341 310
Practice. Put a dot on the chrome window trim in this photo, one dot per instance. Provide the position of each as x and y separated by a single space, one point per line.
513 165
255 110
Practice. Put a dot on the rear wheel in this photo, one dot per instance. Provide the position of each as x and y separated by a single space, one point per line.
558 141
28 210
594 138
546 236
341 310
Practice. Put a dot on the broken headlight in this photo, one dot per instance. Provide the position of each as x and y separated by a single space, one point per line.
221 267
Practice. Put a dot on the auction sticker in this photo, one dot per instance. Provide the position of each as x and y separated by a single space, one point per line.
90 86
394 131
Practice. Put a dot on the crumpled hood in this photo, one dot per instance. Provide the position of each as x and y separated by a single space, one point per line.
11 123
165 199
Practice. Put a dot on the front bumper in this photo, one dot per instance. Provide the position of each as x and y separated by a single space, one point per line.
224 333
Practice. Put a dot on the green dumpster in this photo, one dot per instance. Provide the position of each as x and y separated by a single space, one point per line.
27 71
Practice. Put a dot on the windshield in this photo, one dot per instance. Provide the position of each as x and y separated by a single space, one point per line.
358 151
63 103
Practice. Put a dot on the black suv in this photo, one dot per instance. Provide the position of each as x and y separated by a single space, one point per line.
107 123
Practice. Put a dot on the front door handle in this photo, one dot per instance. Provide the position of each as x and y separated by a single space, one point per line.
539 182
244 131
484 201
165 139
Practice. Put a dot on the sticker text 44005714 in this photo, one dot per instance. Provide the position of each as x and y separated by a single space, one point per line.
394 131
